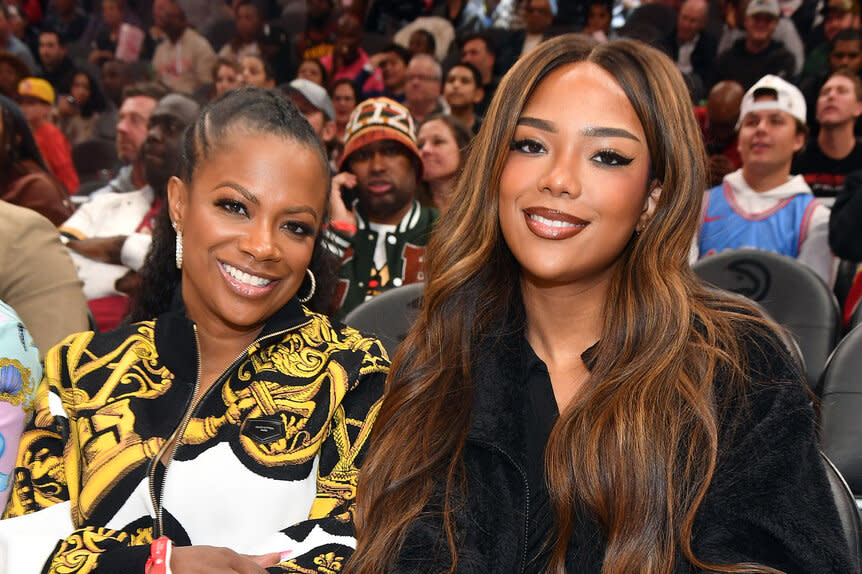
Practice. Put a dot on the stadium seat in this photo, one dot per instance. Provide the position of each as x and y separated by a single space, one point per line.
791 293
851 522
840 408
856 317
389 315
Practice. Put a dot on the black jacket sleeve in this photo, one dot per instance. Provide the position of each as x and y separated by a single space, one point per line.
770 501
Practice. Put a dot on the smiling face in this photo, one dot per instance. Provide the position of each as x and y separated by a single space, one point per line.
767 141
249 220
575 184
759 29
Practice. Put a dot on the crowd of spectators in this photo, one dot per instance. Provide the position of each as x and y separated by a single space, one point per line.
84 71
96 94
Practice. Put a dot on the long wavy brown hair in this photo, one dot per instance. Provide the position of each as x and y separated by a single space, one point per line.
638 447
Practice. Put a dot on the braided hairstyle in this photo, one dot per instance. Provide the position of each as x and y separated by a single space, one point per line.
253 109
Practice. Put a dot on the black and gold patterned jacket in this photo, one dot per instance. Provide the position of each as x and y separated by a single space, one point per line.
266 461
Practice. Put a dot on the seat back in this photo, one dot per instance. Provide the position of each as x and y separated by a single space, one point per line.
848 512
389 315
790 292
840 408
855 317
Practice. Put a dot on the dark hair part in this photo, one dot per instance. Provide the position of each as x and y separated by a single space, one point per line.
429 37
323 73
98 102
462 134
845 72
60 40
481 36
152 90
399 51
17 138
222 62
644 432
347 82
268 70
847 35
246 108
477 76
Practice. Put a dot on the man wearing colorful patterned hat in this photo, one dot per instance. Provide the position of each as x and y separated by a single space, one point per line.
379 229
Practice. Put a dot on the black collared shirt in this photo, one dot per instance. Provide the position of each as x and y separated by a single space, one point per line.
541 413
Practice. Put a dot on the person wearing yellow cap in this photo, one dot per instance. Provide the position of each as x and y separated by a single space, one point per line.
36 97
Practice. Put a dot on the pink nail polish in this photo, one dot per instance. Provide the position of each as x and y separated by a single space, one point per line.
284 555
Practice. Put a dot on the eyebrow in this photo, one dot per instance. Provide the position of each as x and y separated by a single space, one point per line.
537 123
609 133
589 131
253 198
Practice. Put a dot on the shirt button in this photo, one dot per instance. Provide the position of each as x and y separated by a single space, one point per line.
361 284
391 240
371 237
397 281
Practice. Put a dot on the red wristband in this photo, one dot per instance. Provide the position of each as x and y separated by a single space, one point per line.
343 227
159 561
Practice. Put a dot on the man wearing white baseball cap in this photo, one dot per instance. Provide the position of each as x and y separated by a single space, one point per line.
758 52
315 104
761 205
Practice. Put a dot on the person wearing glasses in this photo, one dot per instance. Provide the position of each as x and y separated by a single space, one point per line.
424 88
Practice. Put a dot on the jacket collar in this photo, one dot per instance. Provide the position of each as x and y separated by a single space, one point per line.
176 343
499 394
500 391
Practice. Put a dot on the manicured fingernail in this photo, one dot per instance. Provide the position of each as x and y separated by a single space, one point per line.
284 555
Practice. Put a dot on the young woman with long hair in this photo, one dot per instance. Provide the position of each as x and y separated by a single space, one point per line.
572 398
232 419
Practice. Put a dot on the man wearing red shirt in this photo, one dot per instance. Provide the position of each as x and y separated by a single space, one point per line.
36 96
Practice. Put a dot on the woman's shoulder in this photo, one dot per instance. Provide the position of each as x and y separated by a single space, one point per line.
102 341
336 337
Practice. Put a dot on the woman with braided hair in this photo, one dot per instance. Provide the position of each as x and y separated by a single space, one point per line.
223 431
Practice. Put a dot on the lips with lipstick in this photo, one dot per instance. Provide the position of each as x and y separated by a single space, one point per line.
553 224
246 283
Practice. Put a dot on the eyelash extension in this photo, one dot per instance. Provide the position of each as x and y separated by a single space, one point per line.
520 145
299 228
613 159
231 206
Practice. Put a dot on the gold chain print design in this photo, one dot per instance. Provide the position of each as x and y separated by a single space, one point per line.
81 551
110 445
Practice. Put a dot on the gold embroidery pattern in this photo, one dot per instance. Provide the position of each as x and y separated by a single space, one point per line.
328 563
